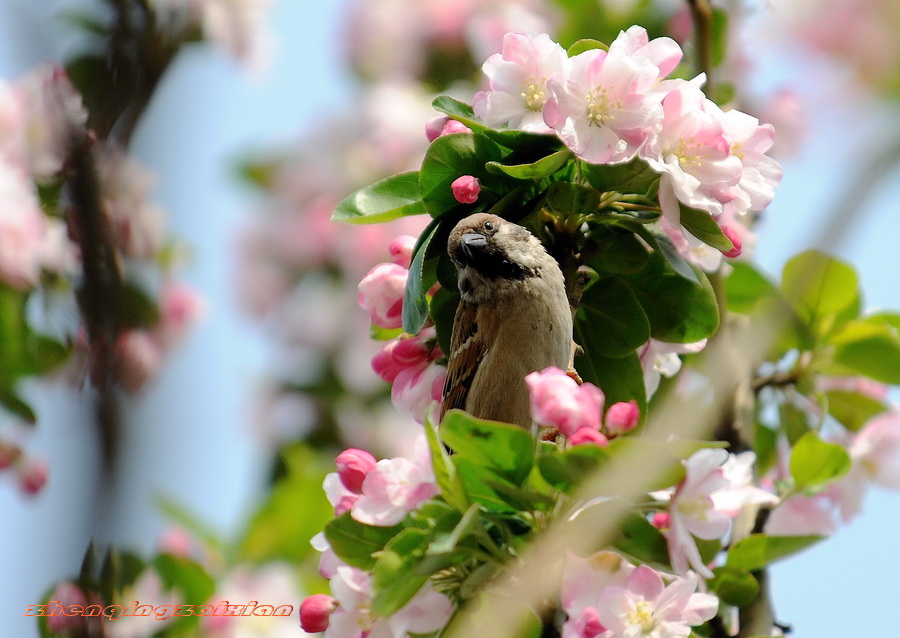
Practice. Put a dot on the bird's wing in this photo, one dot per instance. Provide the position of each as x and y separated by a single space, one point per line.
467 349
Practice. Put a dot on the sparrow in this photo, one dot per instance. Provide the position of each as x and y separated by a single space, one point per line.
513 319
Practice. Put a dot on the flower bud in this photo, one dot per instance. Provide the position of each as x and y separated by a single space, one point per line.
622 417
66 594
32 475
661 520
466 189
353 465
735 239
401 249
435 126
381 294
558 401
584 436
315 611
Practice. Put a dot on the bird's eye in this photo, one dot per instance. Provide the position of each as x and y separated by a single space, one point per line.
489 225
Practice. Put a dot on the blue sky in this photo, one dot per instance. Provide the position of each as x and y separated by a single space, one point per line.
192 438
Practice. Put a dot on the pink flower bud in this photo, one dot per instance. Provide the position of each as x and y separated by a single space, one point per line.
353 465
584 436
661 520
442 125
32 475
9 454
435 126
401 249
315 612
622 417
66 594
179 306
381 294
175 541
558 401
466 189
732 234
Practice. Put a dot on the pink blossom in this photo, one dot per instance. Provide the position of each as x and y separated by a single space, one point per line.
416 389
406 352
52 109
32 475
802 515
22 228
315 611
381 294
67 594
427 612
583 580
442 125
176 541
136 359
659 358
466 189
396 487
738 471
694 251
401 249
649 607
558 401
588 436
239 27
517 78
59 254
180 305
863 385
622 417
353 466
328 561
692 154
340 497
606 105
875 456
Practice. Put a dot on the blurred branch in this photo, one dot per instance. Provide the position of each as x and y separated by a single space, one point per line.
702 16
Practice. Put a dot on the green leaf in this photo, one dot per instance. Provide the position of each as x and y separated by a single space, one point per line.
853 409
656 236
189 579
394 577
450 157
457 110
758 550
276 532
822 290
356 543
679 311
566 469
137 308
507 449
620 378
634 177
815 462
480 483
702 226
617 251
10 400
415 304
387 199
443 312
734 587
585 44
719 36
566 197
794 421
639 539
870 348
611 312
544 167
745 286
444 470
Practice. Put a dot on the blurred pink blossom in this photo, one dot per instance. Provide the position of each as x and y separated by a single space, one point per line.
583 580
558 401
588 436
32 475
22 228
67 593
137 357
180 305
401 250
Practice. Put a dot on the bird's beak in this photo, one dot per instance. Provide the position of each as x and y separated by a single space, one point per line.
472 244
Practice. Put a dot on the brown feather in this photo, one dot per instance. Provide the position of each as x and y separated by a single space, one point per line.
466 352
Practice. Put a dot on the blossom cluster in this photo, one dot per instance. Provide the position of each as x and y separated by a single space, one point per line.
612 106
